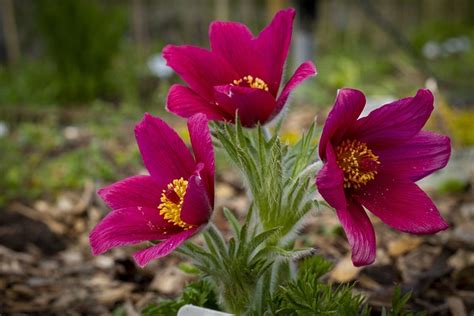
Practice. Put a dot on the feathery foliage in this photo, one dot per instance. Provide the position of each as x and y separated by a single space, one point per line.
307 294
238 267
280 177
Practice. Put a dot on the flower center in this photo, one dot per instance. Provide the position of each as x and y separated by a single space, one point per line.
358 162
251 82
172 201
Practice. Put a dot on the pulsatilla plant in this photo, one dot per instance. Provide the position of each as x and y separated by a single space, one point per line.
359 163
240 74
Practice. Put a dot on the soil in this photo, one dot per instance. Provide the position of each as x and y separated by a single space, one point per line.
46 267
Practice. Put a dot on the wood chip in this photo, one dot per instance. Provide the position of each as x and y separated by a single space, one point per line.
344 271
456 306
404 244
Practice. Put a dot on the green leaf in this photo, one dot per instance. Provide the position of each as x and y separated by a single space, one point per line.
232 220
217 239
188 268
307 295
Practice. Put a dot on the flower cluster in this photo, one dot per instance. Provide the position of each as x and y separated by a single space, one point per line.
369 162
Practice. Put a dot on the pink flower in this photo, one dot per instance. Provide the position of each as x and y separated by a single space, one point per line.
241 73
172 203
374 161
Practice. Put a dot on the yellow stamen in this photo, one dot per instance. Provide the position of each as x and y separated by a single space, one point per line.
170 208
358 163
252 82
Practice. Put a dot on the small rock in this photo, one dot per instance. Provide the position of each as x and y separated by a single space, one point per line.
71 133
104 262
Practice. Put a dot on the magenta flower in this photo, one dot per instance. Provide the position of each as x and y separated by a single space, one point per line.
241 73
172 203
374 161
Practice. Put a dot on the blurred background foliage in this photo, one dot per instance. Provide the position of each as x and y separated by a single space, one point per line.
76 75
81 39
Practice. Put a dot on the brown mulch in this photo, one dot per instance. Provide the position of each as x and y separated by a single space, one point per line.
46 266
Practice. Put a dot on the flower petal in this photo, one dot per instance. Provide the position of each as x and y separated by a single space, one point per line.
185 102
253 105
395 122
200 68
274 42
354 220
165 155
360 233
143 257
304 71
132 192
330 181
420 156
222 95
347 108
233 41
203 150
129 225
401 204
196 208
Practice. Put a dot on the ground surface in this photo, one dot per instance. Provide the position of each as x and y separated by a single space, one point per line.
46 266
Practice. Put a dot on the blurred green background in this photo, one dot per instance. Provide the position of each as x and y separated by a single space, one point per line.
76 75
